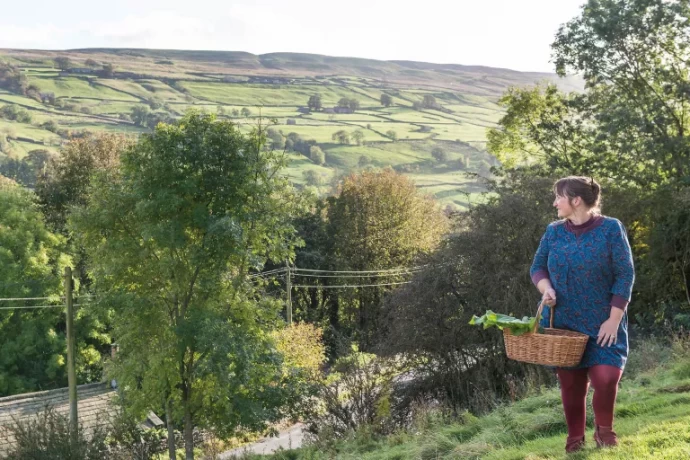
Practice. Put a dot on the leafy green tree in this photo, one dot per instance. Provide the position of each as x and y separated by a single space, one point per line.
246 112
31 261
439 154
235 113
314 102
67 178
63 62
342 136
633 56
171 237
392 135
429 102
140 114
358 136
316 155
90 63
276 138
12 79
386 100
379 221
108 70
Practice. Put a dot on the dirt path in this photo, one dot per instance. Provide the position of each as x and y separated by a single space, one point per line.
290 438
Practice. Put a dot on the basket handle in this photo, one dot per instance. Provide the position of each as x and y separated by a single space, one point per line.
541 308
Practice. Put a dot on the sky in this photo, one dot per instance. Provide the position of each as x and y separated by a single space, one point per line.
497 33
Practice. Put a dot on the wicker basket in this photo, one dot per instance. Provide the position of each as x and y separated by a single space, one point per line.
555 347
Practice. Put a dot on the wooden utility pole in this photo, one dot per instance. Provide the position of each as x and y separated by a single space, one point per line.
288 287
71 371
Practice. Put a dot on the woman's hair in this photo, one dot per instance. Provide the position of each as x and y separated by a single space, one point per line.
585 187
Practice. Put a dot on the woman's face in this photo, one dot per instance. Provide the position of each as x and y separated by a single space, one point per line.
564 206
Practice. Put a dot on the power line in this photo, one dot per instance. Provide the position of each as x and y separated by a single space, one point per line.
392 270
374 275
36 306
350 285
12 299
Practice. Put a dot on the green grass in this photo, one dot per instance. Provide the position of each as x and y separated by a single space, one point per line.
79 88
199 84
254 95
652 421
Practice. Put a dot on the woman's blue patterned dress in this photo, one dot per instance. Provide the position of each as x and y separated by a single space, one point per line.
591 269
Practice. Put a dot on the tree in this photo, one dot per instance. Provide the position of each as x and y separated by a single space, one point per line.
314 102
363 161
246 112
386 100
632 55
171 237
15 113
68 176
316 155
392 135
342 136
63 62
235 113
353 104
91 63
358 136
312 178
379 221
31 261
276 139
108 70
140 114
439 154
12 79
429 102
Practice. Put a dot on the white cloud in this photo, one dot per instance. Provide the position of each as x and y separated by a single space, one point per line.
501 33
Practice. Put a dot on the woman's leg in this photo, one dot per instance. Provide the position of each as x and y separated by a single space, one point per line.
574 386
605 383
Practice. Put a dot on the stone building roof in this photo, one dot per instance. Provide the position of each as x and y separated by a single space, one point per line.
93 406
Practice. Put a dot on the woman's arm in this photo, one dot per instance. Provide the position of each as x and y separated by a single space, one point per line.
539 271
623 269
621 291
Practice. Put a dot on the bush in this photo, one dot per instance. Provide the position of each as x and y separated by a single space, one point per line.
47 437
301 345
357 394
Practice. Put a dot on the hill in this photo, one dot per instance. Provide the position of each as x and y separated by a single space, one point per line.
433 127
652 421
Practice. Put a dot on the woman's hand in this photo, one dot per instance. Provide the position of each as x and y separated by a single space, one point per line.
608 333
549 297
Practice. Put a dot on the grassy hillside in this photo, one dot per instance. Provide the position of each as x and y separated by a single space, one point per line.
277 86
652 421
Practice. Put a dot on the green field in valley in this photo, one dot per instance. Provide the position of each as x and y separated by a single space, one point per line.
399 136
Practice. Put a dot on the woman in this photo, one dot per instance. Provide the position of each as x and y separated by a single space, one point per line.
584 270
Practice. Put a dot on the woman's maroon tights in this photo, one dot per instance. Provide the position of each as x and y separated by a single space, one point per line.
574 386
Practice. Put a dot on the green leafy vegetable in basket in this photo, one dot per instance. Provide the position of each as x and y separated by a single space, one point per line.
516 326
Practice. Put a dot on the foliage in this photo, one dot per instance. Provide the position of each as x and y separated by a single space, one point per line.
314 102
301 346
483 264
633 55
516 326
316 155
68 176
15 113
47 437
31 262
386 100
63 62
171 235
379 221
356 395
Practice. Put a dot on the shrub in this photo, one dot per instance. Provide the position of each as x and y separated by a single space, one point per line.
47 437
